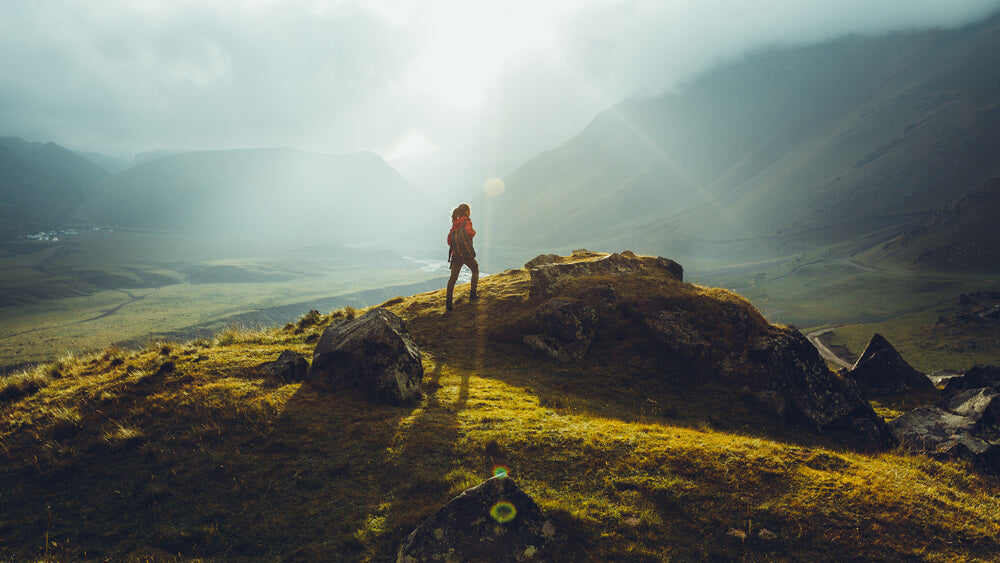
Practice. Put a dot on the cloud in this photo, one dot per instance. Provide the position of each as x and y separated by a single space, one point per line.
453 92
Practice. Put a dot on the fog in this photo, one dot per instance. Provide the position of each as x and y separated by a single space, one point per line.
449 93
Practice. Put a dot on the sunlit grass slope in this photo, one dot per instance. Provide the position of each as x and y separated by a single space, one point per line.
183 451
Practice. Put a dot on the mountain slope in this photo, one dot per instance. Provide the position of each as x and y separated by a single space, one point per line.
785 150
963 236
43 181
185 451
354 198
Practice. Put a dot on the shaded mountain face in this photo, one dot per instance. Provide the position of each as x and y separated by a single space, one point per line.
43 181
354 198
962 236
786 150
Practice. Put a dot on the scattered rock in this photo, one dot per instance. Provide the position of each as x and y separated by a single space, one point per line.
980 405
373 352
547 277
881 369
290 367
945 435
567 328
788 376
977 377
494 521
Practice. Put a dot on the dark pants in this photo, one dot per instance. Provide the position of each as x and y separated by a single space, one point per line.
456 267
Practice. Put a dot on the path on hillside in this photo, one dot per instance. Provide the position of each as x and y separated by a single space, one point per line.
824 351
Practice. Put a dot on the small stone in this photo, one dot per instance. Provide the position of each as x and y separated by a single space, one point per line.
767 535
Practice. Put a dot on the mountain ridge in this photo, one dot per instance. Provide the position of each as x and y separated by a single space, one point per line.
860 129
42 182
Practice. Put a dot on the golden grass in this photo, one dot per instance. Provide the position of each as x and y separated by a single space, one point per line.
125 457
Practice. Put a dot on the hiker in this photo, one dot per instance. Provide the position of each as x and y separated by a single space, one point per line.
460 251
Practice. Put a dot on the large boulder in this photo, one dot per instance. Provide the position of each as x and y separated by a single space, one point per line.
980 405
943 434
567 328
372 352
882 370
786 375
548 276
976 378
494 521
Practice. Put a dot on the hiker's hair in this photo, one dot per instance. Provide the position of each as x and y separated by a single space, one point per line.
461 211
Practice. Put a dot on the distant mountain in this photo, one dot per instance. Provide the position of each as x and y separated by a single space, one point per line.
112 164
962 236
43 181
786 150
352 198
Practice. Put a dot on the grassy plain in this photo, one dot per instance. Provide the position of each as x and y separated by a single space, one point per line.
86 292
182 451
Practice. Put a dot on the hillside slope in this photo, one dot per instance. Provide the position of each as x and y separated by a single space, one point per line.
783 151
43 181
263 191
183 451
962 236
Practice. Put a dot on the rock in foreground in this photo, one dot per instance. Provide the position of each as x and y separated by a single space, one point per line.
494 521
372 352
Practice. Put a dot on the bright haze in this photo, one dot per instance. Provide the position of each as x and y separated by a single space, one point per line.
449 93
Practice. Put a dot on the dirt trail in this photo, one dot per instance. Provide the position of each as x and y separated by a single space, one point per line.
824 351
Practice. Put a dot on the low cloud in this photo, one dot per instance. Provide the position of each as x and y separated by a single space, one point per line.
450 93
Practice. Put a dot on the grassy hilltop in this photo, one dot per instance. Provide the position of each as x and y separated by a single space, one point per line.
184 451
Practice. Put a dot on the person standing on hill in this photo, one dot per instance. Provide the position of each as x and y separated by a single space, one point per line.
460 251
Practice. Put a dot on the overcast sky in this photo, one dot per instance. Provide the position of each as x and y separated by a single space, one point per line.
449 92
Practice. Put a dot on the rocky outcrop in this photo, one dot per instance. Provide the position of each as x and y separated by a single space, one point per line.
964 425
372 352
882 370
547 276
945 435
786 376
566 326
975 378
290 367
677 335
494 521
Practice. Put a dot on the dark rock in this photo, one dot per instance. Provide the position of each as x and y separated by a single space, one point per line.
546 278
881 369
567 328
976 378
494 521
541 260
373 352
945 435
602 295
982 406
290 367
676 334
789 377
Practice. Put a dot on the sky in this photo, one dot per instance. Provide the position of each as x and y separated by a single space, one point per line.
449 92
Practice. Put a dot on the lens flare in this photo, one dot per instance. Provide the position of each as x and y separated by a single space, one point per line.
494 187
503 512
500 471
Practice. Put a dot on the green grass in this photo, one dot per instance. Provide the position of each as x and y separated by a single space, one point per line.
182 451
94 290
